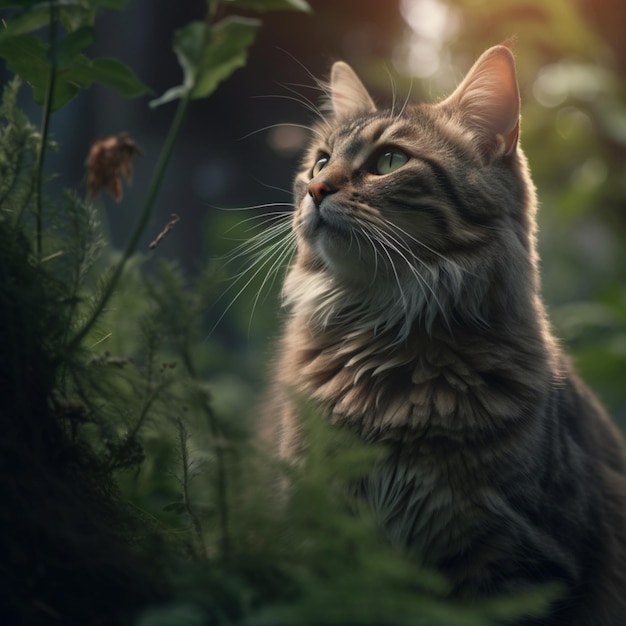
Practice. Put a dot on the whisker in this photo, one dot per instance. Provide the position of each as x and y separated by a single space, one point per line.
252 245
268 186
374 248
407 99
300 99
420 243
252 207
302 66
308 104
394 93
376 233
388 240
272 273
272 126
265 258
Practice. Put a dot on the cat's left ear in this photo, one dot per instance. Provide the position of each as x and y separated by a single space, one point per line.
489 102
347 93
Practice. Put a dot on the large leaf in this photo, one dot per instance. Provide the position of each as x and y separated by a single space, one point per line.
118 5
35 14
209 54
68 48
118 76
25 22
272 5
28 57
45 4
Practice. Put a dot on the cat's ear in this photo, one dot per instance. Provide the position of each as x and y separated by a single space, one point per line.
488 101
347 94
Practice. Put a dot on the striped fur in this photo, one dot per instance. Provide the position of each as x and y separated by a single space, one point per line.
415 319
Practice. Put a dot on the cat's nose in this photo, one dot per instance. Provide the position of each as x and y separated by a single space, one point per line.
319 190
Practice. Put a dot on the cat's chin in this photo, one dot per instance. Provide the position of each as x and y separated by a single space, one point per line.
345 263
340 249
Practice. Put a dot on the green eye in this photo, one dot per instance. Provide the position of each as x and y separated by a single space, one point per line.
390 162
319 166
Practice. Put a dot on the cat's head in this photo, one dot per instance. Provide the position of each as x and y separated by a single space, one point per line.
414 214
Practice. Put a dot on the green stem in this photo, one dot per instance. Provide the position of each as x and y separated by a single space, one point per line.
220 459
45 123
222 484
144 218
185 480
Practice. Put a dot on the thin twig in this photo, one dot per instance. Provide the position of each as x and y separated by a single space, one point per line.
168 227
220 460
45 123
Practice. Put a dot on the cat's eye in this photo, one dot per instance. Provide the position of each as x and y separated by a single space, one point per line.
320 164
390 161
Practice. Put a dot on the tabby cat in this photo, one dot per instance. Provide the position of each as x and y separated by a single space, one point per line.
415 319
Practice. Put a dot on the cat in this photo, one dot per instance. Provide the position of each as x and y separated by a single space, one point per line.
414 318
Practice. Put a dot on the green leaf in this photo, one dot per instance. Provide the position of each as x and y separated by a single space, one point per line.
117 5
27 57
35 14
67 49
272 5
86 4
227 52
175 507
26 22
73 18
118 76
21 4
208 55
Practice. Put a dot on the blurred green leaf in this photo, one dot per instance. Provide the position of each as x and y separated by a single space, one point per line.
68 48
272 5
209 54
85 4
27 57
175 507
118 5
118 76
35 14
26 22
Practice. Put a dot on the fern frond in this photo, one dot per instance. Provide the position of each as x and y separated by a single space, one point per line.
19 140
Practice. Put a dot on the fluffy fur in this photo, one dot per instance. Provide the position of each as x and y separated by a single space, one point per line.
415 319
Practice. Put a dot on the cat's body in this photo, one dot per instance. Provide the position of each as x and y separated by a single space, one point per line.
415 319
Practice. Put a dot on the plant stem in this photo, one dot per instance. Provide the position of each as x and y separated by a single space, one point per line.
45 123
220 460
185 480
222 492
144 218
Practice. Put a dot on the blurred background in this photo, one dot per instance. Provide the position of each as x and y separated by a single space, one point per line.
240 147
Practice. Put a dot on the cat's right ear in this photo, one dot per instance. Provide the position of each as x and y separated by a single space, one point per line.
347 94
488 101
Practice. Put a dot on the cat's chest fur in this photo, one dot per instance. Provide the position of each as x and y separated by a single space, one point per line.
463 388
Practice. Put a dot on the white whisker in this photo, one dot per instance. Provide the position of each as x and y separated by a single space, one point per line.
290 124
267 257
252 207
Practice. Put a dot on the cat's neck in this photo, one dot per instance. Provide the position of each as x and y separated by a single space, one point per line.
445 376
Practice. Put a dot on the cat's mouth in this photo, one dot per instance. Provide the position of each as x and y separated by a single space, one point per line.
325 221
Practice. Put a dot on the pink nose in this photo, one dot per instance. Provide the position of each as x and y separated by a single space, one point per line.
318 191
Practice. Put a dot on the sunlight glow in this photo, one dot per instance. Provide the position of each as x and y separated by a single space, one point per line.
431 23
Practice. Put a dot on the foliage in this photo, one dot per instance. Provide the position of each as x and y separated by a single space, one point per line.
132 493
